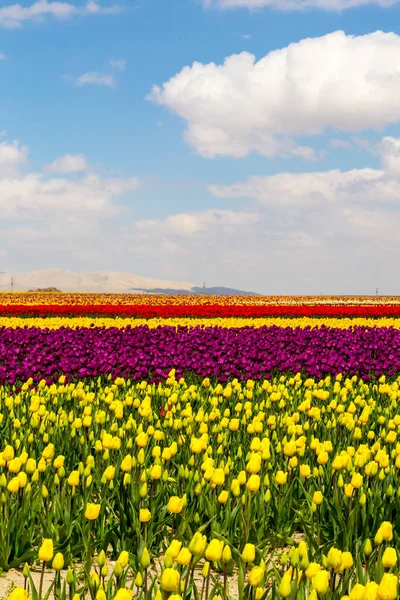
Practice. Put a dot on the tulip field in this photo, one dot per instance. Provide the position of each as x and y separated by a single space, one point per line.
200 447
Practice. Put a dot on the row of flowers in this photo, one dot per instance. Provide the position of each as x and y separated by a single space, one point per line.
83 299
297 576
171 310
174 478
245 352
194 322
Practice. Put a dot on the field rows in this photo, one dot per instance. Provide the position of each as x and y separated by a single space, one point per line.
203 457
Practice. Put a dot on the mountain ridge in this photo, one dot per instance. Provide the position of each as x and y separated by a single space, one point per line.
103 282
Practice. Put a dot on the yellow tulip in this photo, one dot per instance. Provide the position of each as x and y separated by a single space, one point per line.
73 479
14 485
144 515
370 591
387 589
334 558
123 559
184 557
253 483
256 576
285 586
226 555
155 472
109 473
198 544
357 592
18 593
174 548
223 497
92 511
249 553
214 550
46 551
317 498
175 505
320 582
218 477
305 471
389 558
145 559
126 464
386 530
123 594
58 562
347 561
280 478
170 579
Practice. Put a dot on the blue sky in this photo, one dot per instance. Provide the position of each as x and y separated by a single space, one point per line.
130 191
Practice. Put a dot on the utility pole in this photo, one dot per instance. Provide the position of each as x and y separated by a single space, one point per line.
12 284
204 285
376 291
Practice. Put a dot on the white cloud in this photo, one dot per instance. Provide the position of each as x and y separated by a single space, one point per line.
118 64
326 191
298 189
33 195
14 16
198 222
356 202
337 81
69 163
96 78
296 5
318 232
390 153
12 155
3 56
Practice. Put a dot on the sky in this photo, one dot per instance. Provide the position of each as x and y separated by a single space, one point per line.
252 144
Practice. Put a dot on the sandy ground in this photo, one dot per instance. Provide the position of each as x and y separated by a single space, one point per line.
14 578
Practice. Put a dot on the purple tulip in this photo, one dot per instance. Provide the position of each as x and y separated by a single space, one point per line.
143 353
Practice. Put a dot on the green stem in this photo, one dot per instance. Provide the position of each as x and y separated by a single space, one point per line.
41 581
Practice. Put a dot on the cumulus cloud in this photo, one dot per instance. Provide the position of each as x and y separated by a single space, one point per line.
198 222
36 196
297 5
69 163
244 105
12 155
390 153
299 189
14 16
356 203
319 232
326 189
96 78
42 195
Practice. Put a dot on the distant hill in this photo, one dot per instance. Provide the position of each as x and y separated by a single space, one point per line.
215 291
53 290
223 291
101 281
